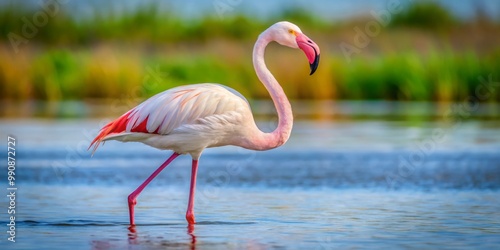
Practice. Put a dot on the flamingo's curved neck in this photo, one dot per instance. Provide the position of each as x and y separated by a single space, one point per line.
280 135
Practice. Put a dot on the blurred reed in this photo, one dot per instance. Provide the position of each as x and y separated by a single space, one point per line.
135 55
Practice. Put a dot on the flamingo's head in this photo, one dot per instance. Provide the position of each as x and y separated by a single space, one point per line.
288 34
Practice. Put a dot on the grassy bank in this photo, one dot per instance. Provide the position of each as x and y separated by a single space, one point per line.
105 72
418 57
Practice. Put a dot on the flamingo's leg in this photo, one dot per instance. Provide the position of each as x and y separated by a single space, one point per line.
132 198
190 209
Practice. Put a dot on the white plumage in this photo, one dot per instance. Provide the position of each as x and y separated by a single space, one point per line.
188 119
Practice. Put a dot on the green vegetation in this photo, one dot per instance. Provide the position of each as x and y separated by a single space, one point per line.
144 52
426 15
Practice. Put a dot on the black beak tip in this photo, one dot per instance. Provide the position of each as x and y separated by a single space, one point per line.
314 65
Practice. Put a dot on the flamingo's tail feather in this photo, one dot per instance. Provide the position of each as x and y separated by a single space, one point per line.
117 126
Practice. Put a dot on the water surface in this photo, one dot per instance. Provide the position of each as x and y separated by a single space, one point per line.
342 183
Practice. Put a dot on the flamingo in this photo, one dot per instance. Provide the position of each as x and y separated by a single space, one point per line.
187 119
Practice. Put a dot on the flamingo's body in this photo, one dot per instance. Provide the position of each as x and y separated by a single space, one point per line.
188 119
185 119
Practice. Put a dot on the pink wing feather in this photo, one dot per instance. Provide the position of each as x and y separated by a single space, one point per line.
166 111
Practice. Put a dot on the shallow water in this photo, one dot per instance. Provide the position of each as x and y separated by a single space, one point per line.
96 216
344 184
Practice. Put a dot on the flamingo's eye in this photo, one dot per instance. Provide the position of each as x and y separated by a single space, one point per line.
291 31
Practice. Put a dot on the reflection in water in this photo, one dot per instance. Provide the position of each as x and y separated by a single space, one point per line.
190 231
133 239
132 235
99 245
316 110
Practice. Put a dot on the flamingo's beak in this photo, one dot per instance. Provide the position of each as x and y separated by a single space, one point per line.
311 50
